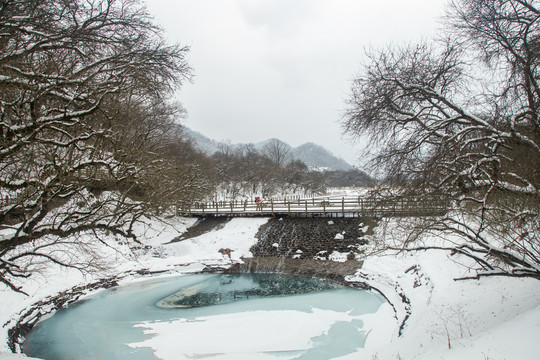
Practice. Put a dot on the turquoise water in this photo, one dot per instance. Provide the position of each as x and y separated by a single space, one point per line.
108 324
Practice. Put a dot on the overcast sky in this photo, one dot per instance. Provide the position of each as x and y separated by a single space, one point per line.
283 68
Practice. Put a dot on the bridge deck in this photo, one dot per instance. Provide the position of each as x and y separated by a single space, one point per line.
327 207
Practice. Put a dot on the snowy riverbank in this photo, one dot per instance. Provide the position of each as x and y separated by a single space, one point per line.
492 318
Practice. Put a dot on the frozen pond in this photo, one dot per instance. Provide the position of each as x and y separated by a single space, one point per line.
214 316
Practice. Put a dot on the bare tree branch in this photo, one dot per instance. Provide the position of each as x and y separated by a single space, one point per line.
461 118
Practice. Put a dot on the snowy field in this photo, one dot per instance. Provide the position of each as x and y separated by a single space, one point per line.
491 318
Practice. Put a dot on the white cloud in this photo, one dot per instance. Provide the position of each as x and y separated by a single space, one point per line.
281 68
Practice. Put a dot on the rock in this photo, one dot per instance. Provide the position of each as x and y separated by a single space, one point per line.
309 235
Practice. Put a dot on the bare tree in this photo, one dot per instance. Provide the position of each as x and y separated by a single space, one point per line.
82 85
460 117
278 152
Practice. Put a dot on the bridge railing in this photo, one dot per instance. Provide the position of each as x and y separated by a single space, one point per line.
344 206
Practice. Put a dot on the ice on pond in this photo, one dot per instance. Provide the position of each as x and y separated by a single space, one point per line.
228 288
251 316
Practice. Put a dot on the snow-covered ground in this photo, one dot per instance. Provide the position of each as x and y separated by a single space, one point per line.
491 318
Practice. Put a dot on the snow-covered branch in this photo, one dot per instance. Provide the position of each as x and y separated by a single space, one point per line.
84 123
461 117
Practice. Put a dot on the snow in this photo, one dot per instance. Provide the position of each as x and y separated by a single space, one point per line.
338 256
292 335
363 228
480 318
10 356
492 318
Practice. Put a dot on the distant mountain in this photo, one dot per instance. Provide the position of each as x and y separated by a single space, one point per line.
316 156
313 155
201 142
260 145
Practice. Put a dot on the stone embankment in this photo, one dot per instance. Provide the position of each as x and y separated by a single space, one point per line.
298 246
308 238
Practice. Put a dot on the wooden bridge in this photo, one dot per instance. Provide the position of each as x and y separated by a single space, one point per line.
322 207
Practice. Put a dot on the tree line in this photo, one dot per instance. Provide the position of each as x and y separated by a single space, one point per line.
245 172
